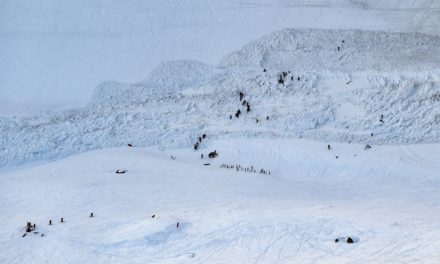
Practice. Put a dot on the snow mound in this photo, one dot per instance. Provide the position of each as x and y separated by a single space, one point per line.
339 50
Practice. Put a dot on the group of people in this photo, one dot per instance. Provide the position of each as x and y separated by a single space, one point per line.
238 167
196 145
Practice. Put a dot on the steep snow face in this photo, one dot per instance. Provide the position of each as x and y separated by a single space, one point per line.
340 50
343 103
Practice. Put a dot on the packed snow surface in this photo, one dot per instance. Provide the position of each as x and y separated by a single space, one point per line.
338 85
385 198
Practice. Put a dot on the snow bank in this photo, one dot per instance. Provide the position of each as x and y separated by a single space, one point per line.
327 95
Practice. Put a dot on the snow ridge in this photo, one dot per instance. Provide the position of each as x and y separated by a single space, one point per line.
327 95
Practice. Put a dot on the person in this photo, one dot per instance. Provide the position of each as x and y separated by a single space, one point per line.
241 96
267 117
91 214
201 156
62 220
328 147
50 222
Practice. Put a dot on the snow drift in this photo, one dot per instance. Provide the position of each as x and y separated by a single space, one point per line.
328 94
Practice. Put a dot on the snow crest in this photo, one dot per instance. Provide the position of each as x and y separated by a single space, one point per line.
377 88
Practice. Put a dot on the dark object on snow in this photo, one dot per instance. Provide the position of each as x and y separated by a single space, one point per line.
350 240
201 156
339 48
213 154
173 157
207 164
299 78
130 145
280 80
264 70
204 136
372 134
328 147
248 109
336 240
348 82
36 233
337 157
50 222
91 214
241 96
24 235
367 147
200 139
237 114
230 116
29 227
196 146
381 119
267 117
256 121
35 226
62 220
153 216
120 171
177 225
244 103
42 235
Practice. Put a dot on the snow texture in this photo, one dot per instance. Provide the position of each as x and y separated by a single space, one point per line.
328 95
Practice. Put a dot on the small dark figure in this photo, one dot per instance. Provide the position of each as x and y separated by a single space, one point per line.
200 139
348 82
213 154
62 220
204 136
267 117
24 235
237 115
343 41
350 240
248 109
130 145
280 80
284 74
121 171
177 225
42 235
372 134
299 79
244 102
328 147
381 119
241 96
153 216
264 70
230 116
201 156
29 227
349 141
50 222
337 157
256 120
339 48
367 147
291 78
91 214
336 240
35 226
196 146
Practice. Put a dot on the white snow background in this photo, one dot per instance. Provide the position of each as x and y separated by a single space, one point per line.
160 74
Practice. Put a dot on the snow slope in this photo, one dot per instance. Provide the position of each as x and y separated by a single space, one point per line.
328 95
54 53
386 197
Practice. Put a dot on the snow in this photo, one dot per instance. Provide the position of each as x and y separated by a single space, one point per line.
335 99
132 87
54 53
386 197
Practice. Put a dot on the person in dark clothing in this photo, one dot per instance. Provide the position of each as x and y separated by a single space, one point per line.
201 156
91 214
62 220
280 80
267 117
328 147
204 136
50 222
241 96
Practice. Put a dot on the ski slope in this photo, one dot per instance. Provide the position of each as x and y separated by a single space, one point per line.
386 198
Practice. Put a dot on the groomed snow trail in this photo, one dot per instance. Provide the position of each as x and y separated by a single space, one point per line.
291 216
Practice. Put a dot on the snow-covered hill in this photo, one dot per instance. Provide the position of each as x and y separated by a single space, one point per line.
53 53
328 94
